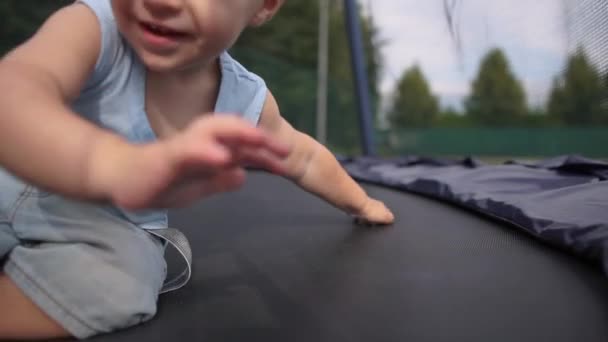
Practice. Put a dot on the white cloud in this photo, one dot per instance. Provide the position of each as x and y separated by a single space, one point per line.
531 33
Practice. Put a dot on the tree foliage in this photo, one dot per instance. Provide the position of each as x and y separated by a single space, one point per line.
285 52
497 97
20 19
579 95
414 104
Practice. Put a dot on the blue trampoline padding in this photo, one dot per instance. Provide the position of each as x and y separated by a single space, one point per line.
563 200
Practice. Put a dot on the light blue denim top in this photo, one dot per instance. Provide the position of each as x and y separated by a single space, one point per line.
114 96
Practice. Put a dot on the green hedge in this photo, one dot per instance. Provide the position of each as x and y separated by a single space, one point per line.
535 142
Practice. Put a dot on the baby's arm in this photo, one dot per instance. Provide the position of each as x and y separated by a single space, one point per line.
313 167
48 145
41 140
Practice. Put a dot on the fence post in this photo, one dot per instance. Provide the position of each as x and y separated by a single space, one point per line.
357 54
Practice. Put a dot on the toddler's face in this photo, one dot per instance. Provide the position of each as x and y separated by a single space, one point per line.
177 34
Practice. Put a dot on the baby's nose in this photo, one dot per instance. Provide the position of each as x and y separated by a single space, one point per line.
163 7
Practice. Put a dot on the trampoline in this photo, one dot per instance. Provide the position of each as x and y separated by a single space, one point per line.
288 267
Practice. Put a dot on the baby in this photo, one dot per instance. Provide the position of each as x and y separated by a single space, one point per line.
113 112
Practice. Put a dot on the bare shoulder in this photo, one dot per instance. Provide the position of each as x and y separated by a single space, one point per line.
65 48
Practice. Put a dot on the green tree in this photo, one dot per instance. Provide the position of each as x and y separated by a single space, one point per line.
578 96
284 52
497 97
290 36
538 117
450 117
414 104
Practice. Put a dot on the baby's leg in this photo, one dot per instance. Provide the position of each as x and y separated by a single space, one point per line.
20 318
87 269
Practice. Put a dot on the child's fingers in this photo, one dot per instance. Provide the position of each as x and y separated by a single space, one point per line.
194 158
390 217
260 158
214 158
377 215
370 224
272 147
228 127
267 142
197 188
228 180
236 132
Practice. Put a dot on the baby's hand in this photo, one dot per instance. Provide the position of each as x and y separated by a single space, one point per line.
207 158
374 213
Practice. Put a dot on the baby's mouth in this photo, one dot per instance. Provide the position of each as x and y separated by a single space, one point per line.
163 31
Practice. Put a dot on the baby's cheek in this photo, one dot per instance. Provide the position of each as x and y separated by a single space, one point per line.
219 36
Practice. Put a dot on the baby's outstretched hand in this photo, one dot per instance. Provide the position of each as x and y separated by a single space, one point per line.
373 213
207 158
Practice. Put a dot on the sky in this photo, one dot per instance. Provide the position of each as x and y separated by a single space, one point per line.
531 33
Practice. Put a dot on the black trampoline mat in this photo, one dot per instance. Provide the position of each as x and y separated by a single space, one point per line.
273 263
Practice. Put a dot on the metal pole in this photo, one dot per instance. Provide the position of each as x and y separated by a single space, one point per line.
323 69
357 54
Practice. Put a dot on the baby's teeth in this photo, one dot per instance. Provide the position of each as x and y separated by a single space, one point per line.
159 29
